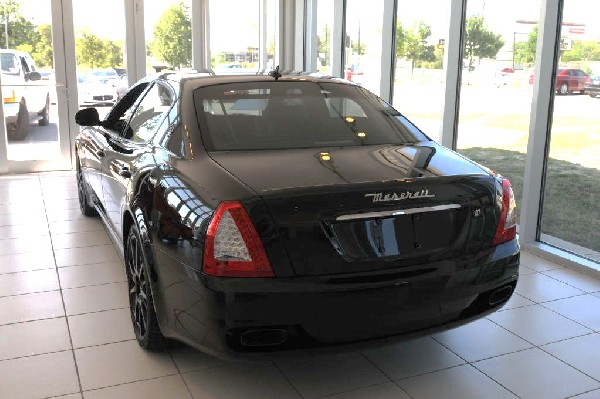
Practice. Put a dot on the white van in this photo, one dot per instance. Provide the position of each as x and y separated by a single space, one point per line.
25 96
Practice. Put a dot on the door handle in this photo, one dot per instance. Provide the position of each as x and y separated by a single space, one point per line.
100 153
125 172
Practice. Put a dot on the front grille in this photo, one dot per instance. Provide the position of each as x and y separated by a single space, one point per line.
102 98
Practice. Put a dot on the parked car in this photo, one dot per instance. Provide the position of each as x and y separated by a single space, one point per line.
593 87
568 80
270 213
26 98
101 86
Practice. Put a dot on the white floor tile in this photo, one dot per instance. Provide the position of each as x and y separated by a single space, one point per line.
537 263
23 232
34 338
30 219
258 381
480 340
318 376
85 256
580 352
76 226
540 288
101 328
38 376
516 301
595 394
45 305
96 274
27 262
171 387
534 374
583 309
119 363
538 325
96 298
58 214
28 282
406 359
382 391
62 204
462 382
575 279
79 240
188 359
20 246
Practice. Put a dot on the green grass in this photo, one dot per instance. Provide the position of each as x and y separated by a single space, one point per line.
571 199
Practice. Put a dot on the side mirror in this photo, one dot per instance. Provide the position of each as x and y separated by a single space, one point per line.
33 76
87 117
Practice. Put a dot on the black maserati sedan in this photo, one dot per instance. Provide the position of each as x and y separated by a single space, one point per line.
268 213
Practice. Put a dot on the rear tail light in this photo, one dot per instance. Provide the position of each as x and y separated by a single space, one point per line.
232 247
507 224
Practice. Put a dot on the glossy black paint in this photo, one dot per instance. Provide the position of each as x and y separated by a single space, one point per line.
336 282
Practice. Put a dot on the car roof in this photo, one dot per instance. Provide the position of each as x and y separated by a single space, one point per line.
196 79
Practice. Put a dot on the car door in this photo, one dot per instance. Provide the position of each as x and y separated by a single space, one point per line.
131 151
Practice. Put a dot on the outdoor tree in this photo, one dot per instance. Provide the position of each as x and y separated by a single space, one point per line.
42 50
22 34
525 51
412 44
173 36
479 41
96 52
582 51
324 45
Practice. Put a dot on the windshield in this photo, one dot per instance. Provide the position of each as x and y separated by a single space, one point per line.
297 114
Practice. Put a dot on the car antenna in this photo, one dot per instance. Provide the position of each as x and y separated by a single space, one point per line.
275 73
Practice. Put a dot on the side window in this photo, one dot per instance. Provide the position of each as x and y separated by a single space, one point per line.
172 133
150 112
117 118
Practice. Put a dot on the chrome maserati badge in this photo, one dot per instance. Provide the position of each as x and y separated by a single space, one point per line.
383 197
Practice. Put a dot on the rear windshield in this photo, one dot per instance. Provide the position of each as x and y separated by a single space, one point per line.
297 114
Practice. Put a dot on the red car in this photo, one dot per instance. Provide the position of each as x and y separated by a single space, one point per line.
568 80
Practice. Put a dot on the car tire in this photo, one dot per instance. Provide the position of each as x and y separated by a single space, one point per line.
593 95
141 303
19 130
563 89
82 193
45 113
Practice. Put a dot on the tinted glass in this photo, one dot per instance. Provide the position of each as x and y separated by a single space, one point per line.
283 114
150 112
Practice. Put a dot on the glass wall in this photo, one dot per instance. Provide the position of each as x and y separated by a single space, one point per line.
571 201
363 43
496 94
419 76
235 36
28 84
100 51
168 33
325 21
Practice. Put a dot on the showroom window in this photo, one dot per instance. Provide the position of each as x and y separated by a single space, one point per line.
168 32
363 43
496 91
325 21
419 77
571 192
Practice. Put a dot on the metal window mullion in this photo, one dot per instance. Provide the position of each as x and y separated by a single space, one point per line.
65 69
542 105
135 44
3 138
453 57
263 35
201 35
388 50
338 38
311 41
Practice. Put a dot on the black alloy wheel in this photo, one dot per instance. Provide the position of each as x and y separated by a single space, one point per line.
84 203
143 316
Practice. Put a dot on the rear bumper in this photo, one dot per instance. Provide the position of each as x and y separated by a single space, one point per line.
251 318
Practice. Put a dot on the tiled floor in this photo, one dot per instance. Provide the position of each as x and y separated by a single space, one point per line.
65 329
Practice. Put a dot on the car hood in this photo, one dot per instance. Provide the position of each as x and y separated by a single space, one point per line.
267 171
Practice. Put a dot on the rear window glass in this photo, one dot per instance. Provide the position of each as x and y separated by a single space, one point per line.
297 114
